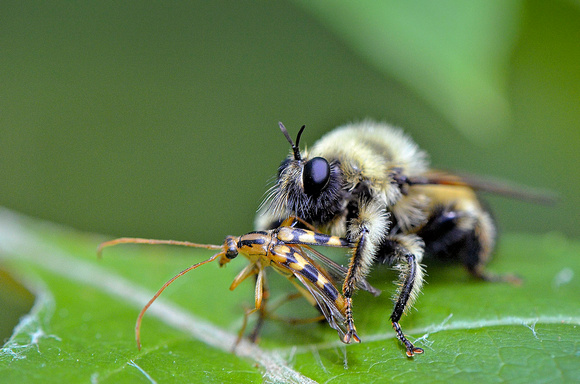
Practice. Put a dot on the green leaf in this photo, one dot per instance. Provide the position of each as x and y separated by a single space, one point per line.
453 54
81 327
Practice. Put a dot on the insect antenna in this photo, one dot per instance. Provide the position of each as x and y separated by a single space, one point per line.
142 313
295 147
136 240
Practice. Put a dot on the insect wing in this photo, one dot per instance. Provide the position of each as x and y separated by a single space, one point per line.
328 307
293 258
486 184
332 270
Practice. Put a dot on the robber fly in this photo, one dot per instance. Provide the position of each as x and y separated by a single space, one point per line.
370 183
288 251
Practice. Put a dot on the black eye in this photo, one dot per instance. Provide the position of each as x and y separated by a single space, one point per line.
315 175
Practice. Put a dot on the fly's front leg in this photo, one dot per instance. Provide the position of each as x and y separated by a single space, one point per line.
366 231
405 253
355 271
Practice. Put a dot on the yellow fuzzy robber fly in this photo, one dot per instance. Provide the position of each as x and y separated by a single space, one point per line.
288 251
370 183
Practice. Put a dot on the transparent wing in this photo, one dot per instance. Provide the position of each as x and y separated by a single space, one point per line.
334 316
292 258
332 270
486 184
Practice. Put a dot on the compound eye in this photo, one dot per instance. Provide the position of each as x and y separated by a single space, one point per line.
315 175
231 247
232 253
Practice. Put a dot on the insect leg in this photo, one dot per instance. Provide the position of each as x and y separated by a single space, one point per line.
292 221
262 296
366 230
475 249
348 287
142 313
247 314
406 252
249 270
258 299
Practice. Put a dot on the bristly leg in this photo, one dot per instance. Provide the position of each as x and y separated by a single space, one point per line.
411 349
354 272
351 329
403 301
405 252
366 228
481 273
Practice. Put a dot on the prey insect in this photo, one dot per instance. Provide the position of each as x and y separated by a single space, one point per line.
370 183
288 250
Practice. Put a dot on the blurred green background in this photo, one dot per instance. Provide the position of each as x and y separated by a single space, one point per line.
159 119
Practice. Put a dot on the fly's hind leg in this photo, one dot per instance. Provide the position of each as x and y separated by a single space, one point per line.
475 250
405 253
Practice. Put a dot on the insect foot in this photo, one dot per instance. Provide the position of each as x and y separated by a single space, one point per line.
350 334
411 349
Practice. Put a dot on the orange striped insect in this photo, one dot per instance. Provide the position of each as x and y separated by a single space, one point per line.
288 251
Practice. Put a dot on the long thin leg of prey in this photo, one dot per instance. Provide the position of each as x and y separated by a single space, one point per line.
261 305
140 317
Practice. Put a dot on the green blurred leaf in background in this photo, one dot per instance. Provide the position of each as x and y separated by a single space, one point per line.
454 54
